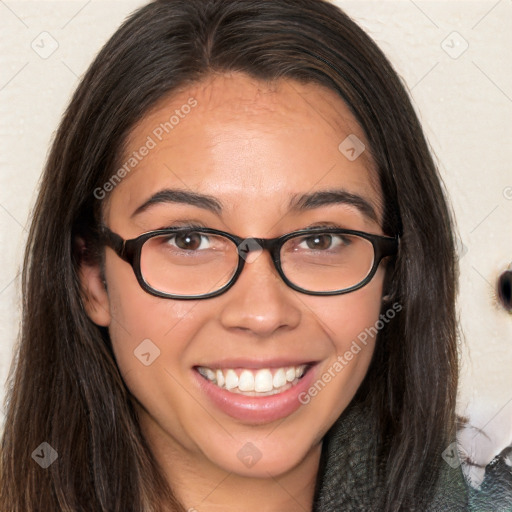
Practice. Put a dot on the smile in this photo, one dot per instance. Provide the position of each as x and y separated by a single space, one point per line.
255 392
254 382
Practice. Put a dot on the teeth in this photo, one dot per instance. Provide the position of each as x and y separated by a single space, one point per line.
290 374
246 381
231 379
252 382
220 378
279 379
209 374
263 381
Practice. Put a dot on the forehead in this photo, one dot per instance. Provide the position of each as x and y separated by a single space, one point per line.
242 139
239 93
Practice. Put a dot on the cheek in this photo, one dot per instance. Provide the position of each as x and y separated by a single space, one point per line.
136 314
351 322
346 317
151 339
148 333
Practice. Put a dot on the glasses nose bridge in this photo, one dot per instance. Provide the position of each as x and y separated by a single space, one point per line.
252 244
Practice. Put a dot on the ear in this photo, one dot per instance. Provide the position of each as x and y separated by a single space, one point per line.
387 286
93 287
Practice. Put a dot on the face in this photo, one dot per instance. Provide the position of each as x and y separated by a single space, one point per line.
254 148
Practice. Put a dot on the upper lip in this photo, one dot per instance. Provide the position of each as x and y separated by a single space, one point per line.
256 363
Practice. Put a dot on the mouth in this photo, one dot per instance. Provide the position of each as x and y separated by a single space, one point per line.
256 393
254 382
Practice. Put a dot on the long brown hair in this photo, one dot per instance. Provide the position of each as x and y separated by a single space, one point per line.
65 388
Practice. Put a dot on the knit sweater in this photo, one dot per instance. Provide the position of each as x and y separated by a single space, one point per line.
347 480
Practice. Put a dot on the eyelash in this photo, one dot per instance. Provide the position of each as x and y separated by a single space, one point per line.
188 225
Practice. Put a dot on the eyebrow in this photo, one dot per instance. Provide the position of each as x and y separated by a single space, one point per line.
206 202
329 197
297 202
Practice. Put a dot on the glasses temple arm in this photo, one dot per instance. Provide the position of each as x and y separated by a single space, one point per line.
113 240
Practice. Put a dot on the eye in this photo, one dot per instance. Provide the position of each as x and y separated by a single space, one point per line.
190 240
324 241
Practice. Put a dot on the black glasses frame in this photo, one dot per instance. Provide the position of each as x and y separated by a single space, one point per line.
130 251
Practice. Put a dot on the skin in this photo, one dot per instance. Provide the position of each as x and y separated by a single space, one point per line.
252 145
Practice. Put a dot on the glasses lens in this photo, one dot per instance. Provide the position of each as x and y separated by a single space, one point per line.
324 262
188 262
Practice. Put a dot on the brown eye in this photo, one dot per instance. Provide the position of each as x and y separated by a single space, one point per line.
319 242
189 241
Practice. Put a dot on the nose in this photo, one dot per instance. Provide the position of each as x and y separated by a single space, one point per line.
260 302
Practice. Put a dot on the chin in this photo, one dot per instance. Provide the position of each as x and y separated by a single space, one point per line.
270 454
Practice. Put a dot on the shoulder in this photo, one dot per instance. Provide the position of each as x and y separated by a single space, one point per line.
494 494
347 475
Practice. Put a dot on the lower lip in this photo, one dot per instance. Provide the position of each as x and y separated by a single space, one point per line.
256 409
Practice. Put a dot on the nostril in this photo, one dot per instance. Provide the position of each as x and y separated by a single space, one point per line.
505 290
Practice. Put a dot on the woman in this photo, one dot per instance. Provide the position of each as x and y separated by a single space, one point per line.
233 297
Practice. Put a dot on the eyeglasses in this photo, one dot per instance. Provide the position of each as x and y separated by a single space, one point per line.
197 263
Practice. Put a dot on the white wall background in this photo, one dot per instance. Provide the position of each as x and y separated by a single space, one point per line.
454 57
